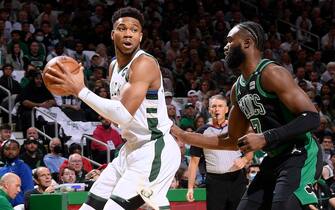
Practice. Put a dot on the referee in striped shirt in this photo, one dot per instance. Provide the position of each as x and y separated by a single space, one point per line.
225 179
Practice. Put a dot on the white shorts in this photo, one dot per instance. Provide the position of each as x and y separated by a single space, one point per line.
153 166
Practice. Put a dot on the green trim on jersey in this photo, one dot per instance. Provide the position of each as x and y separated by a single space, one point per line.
156 163
308 172
260 66
260 89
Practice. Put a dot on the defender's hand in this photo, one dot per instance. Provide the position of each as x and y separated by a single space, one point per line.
251 142
176 132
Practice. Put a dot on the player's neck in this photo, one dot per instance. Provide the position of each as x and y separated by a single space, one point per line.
249 66
124 59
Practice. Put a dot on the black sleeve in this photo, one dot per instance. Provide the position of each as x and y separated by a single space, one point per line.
305 122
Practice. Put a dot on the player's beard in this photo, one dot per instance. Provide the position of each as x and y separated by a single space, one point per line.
235 57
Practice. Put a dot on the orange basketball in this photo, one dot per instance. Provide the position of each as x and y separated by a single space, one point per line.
71 64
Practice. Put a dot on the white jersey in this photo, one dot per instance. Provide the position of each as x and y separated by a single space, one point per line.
150 121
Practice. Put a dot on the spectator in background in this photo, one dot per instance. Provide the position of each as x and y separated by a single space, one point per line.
16 57
10 154
67 175
318 64
16 39
10 187
80 56
193 98
329 74
35 55
109 135
327 147
32 133
54 159
32 156
169 100
252 170
75 148
171 110
41 98
43 180
5 133
189 113
59 50
8 82
76 163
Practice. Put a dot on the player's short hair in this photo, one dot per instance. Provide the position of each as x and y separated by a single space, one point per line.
128 12
256 31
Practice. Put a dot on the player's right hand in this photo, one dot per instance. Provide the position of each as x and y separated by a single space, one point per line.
189 195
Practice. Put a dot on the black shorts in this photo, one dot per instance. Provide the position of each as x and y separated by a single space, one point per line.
286 176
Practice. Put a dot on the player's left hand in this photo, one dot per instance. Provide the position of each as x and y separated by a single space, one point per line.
251 142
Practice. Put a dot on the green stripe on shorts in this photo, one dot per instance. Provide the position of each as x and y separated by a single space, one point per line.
307 179
156 163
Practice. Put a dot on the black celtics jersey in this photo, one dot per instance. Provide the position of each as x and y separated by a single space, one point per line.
263 109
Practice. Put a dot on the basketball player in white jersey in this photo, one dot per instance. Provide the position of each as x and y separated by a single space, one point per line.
150 157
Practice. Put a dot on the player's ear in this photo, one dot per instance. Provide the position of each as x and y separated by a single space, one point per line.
112 34
246 43
141 37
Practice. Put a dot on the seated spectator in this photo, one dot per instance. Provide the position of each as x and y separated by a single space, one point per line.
76 163
36 55
188 116
17 39
59 50
252 170
16 57
41 98
10 154
8 82
54 159
5 133
42 145
31 154
43 180
76 148
10 186
109 135
68 175
329 73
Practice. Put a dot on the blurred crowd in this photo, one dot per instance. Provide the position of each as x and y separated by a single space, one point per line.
186 37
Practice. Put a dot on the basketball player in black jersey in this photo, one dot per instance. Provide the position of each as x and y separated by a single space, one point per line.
266 97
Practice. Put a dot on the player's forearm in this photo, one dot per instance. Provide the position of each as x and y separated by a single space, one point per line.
109 109
305 122
213 142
